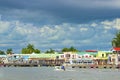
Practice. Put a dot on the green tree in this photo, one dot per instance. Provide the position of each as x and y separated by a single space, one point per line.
30 49
47 51
37 51
116 40
9 51
71 49
25 51
65 50
50 51
2 52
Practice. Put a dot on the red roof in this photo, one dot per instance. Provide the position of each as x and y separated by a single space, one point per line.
91 51
116 49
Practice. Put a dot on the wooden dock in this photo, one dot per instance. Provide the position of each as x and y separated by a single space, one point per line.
58 63
36 63
97 66
20 65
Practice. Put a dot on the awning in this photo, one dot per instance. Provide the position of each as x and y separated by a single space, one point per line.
116 49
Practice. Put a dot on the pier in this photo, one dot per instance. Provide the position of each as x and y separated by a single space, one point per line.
35 63
96 66
52 65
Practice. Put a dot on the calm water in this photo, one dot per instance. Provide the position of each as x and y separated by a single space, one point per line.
48 73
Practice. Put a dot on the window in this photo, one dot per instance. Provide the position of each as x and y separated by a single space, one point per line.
57 57
62 56
67 55
102 55
118 52
73 56
118 58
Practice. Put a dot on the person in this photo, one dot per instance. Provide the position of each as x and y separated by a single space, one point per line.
63 67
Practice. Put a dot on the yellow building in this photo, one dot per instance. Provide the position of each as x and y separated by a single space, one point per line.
102 57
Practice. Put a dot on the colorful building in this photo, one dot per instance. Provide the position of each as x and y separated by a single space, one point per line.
99 57
115 57
102 57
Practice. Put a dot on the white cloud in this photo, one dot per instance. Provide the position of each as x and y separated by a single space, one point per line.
18 34
108 23
117 23
94 25
4 26
111 24
83 29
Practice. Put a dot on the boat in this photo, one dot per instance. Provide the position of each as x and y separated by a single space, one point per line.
59 68
63 68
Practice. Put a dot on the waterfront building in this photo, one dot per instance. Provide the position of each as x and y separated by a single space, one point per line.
47 58
37 59
68 55
102 57
115 59
86 56
2 58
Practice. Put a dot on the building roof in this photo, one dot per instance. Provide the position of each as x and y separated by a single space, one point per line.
91 50
90 53
44 55
3 56
116 49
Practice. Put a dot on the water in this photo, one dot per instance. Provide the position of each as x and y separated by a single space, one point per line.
48 73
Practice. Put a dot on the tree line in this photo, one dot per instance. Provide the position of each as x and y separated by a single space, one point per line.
116 40
29 49
8 51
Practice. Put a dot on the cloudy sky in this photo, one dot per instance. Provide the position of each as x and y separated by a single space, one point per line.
84 24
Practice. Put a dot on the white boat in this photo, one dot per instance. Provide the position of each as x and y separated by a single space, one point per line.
66 68
58 68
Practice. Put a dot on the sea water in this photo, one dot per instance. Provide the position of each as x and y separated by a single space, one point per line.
49 73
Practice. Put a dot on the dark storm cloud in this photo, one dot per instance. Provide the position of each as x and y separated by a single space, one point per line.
60 11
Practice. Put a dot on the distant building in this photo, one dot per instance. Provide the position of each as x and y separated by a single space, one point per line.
68 55
2 58
116 55
102 57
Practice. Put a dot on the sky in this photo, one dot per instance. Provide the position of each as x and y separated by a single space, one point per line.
83 24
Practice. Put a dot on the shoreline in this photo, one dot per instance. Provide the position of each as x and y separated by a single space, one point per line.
72 66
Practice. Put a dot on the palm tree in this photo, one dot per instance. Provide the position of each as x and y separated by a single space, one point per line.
50 51
30 47
116 40
65 50
2 52
72 49
9 51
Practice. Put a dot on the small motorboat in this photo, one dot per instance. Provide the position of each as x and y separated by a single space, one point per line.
60 68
